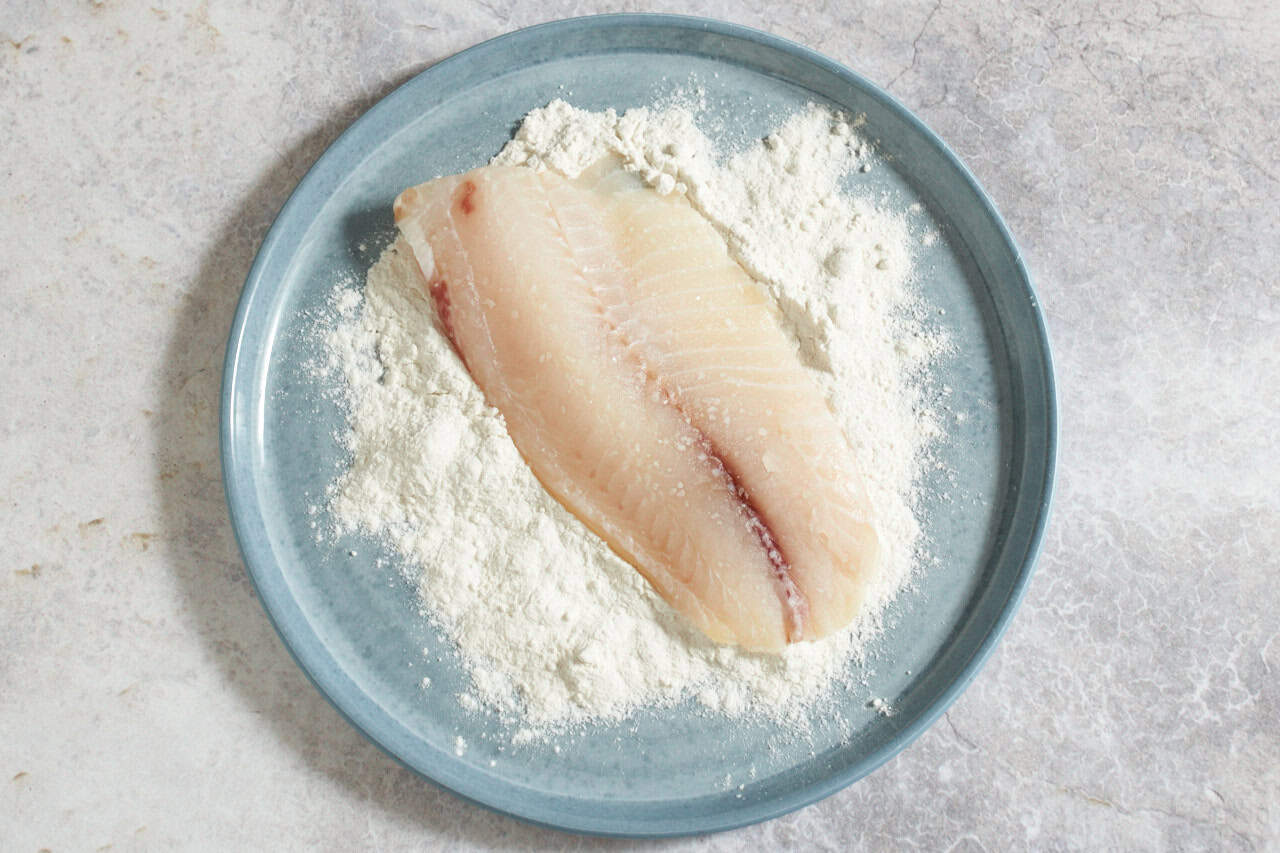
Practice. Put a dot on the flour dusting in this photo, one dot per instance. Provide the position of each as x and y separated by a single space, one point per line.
555 629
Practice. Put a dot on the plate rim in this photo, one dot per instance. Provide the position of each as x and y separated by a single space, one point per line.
258 560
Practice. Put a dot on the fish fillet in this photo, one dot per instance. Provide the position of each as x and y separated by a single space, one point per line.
646 380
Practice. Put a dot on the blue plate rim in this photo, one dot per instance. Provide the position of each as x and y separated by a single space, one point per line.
283 613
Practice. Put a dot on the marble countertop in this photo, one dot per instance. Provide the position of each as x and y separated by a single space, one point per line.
145 701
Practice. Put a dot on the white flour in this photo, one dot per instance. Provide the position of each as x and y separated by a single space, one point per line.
555 628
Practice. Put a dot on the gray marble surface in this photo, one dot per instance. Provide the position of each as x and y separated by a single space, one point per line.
145 702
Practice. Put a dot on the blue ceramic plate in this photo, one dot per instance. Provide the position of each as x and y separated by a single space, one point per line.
352 623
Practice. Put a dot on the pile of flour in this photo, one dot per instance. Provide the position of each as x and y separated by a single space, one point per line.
556 629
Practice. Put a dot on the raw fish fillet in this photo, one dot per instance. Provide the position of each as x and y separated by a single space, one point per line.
645 379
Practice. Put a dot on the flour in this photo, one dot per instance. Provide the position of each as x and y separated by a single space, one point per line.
555 629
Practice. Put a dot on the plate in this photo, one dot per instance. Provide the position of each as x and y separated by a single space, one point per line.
351 621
